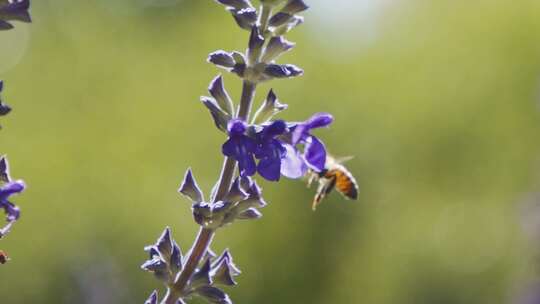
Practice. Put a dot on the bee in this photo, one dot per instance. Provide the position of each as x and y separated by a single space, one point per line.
334 175
3 257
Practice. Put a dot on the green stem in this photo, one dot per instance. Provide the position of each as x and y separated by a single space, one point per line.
205 236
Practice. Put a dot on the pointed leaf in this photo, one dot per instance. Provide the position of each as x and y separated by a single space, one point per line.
190 188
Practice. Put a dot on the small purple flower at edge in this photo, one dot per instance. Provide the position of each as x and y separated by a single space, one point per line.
240 147
7 189
4 109
16 10
12 212
314 149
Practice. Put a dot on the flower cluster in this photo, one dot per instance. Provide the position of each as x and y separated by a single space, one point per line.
8 188
13 10
166 261
277 147
241 202
258 145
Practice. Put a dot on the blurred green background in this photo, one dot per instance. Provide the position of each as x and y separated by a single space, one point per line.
437 100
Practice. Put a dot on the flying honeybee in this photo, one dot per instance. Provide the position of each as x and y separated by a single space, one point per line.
334 175
3 257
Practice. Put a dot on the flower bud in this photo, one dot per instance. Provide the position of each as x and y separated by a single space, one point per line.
213 295
237 4
221 59
190 188
285 28
256 41
276 46
217 90
269 108
202 276
245 18
250 214
279 19
294 7
153 299
221 119
282 71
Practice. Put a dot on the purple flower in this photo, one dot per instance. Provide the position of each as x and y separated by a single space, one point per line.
314 150
240 147
14 10
270 151
7 189
12 212
4 109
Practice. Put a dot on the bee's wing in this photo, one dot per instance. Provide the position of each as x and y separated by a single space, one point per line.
344 159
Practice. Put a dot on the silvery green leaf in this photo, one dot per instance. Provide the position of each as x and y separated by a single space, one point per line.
202 276
249 214
221 119
238 57
245 18
227 255
239 70
224 270
237 4
219 208
213 295
269 108
176 260
155 264
217 90
294 7
222 59
280 19
282 70
164 244
236 193
285 28
153 299
276 46
256 41
271 2
203 208
190 188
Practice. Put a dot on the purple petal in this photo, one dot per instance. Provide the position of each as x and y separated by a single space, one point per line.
293 165
247 165
11 188
315 154
270 168
236 127
229 148
319 120
12 212
276 128
299 133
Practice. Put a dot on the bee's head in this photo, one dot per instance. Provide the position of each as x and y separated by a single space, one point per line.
322 173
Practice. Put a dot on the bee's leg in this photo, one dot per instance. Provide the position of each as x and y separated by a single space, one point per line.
311 178
325 186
